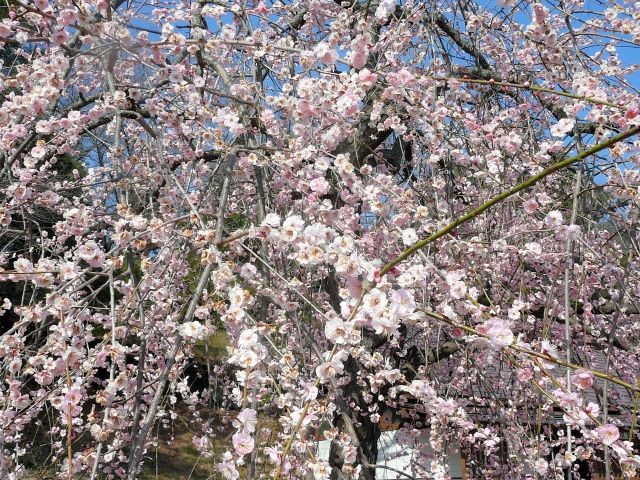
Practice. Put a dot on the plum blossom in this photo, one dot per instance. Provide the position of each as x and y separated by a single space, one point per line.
247 359
319 185
325 53
544 199
246 420
550 350
500 334
67 16
563 127
409 236
38 152
329 369
530 206
23 193
402 78
384 325
297 415
402 303
338 331
5 29
243 443
60 37
541 466
321 470
227 467
91 253
192 330
366 78
22 265
516 308
608 433
272 220
291 228
359 51
42 5
582 379
239 297
133 152
248 271
385 7
592 409
375 302
310 391
524 375
532 248
554 218
457 288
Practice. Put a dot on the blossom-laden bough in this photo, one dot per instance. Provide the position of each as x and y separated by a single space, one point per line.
321 217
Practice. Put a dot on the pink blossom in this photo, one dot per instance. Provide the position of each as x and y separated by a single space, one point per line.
206 221
246 420
524 375
292 227
67 16
14 366
366 78
563 127
22 265
228 470
554 218
337 331
192 330
73 396
247 359
530 206
402 78
272 220
608 433
360 51
23 193
632 461
59 37
541 466
385 7
592 409
319 185
5 30
533 248
327 370
582 379
500 335
551 350
296 417
243 443
384 325
409 236
544 199
261 8
325 53
375 302
321 470
38 152
91 253
402 303
42 5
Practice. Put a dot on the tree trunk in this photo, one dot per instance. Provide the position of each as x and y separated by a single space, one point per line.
366 432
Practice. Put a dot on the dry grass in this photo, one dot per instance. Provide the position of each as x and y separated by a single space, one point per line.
175 456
